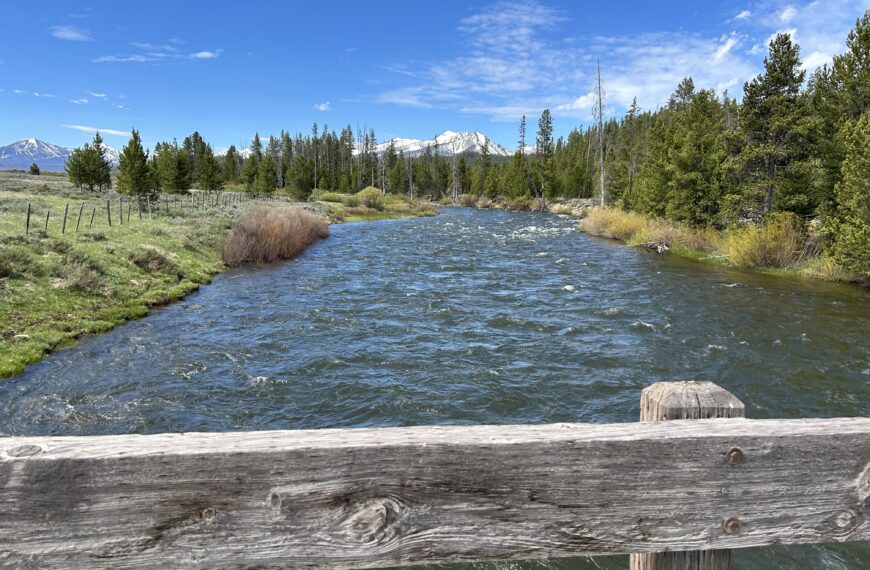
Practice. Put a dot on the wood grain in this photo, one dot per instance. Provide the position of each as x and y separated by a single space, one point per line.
368 498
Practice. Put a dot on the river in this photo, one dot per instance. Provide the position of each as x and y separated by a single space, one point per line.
474 316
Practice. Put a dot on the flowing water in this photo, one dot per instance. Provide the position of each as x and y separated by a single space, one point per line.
471 317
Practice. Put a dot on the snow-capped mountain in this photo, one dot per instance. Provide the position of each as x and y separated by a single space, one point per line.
50 157
447 143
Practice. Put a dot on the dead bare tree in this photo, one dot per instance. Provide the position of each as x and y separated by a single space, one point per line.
599 112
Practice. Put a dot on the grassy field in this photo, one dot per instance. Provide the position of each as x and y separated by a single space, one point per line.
56 287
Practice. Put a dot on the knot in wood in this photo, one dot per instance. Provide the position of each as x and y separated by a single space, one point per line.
373 520
845 520
24 451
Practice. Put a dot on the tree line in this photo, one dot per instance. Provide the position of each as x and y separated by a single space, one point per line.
792 144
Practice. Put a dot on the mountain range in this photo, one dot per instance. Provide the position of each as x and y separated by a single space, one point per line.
49 157
448 143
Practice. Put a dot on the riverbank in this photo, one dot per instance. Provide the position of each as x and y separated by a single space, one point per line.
371 204
781 246
85 276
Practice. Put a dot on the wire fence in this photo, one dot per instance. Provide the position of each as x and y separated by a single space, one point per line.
109 212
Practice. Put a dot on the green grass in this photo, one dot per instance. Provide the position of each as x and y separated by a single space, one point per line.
57 288
350 207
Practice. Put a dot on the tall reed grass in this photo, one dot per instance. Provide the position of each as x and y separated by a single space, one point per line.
780 242
267 234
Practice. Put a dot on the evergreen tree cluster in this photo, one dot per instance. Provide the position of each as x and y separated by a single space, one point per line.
89 166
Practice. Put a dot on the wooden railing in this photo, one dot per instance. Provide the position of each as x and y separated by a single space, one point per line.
677 494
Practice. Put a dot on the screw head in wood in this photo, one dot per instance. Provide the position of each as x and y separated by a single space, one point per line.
734 456
731 525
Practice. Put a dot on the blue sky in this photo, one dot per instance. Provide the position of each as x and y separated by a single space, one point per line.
410 69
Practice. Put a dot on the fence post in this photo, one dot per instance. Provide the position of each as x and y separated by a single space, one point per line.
121 211
47 214
79 219
65 212
690 401
93 213
27 221
109 212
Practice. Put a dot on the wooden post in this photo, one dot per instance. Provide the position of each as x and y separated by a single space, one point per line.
27 221
47 214
129 209
139 208
109 212
65 212
79 219
93 213
121 211
687 401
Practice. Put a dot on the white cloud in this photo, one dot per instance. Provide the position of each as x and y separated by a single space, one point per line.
71 33
322 106
17 91
513 59
121 59
584 102
158 53
38 94
724 49
205 54
97 95
79 101
86 129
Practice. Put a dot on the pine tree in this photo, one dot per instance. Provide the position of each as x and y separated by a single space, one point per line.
839 93
134 175
172 167
250 171
544 156
397 176
210 174
88 166
695 161
231 165
34 169
267 180
257 148
849 223
481 171
99 166
774 131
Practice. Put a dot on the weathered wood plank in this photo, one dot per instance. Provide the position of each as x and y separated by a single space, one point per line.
681 401
381 497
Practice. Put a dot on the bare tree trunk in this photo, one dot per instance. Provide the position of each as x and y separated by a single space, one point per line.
600 137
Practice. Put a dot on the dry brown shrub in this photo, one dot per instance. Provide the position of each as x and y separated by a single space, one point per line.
613 223
779 242
267 234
